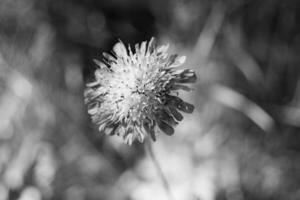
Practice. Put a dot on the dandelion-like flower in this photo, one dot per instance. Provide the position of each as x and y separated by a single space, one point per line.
136 92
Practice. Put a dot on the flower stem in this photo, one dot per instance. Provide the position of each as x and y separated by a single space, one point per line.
164 180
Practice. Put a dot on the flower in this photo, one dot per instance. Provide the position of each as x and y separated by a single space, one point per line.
136 92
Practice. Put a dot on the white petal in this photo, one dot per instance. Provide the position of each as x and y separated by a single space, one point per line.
151 46
93 109
100 64
180 60
163 48
143 48
120 50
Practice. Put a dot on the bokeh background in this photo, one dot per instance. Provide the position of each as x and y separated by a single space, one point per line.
241 143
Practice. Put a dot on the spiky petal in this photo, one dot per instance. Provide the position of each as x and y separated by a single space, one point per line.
133 92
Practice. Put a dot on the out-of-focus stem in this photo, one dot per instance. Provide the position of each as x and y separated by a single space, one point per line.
164 180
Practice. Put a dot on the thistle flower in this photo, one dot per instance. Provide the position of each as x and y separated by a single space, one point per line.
136 92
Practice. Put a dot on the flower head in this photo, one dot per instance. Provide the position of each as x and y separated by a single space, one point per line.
135 92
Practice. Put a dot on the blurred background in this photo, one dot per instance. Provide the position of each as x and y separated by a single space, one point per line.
241 143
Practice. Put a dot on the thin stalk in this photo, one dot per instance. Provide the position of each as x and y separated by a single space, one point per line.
160 173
